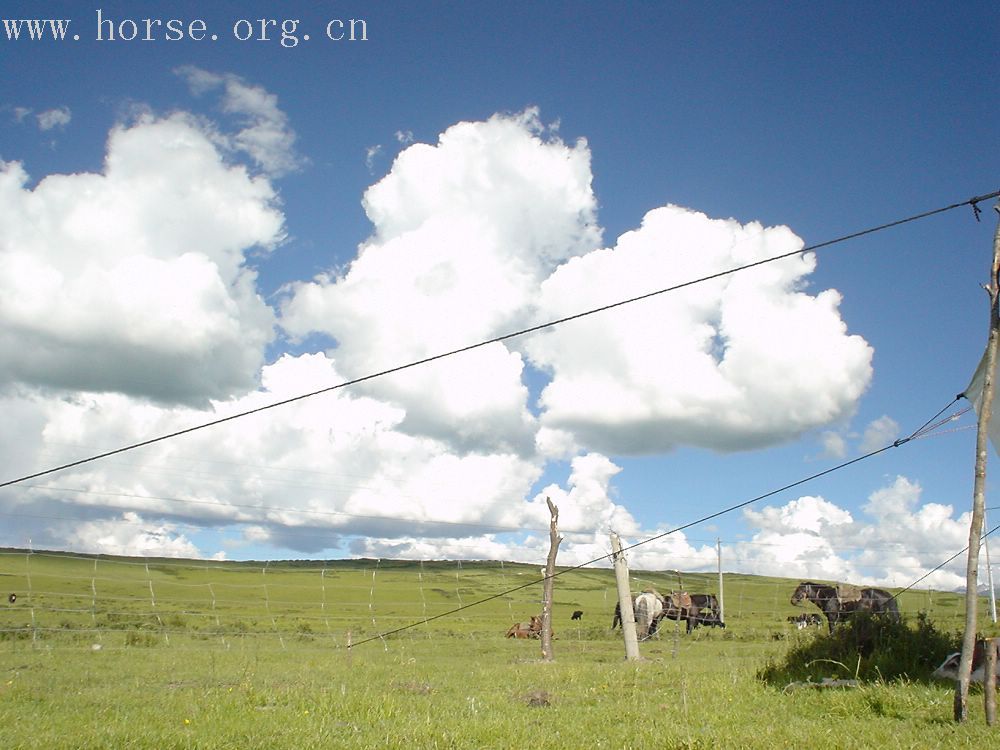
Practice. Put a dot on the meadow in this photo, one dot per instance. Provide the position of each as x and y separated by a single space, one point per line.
116 652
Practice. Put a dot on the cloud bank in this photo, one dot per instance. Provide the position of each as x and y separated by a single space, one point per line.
129 308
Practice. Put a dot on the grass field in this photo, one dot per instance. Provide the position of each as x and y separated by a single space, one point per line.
114 652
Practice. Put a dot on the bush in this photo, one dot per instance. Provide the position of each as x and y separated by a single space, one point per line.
867 648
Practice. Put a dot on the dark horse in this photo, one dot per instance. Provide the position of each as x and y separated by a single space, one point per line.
694 609
839 603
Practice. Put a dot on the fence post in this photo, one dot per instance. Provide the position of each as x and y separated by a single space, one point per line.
625 600
550 571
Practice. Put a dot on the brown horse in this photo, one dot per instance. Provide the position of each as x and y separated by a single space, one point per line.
531 629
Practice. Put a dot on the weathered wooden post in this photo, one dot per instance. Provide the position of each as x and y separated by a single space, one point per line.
550 571
985 409
624 600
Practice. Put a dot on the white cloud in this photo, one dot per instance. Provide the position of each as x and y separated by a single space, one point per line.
741 362
133 280
899 541
265 134
586 507
308 472
131 535
464 233
104 289
371 154
834 444
54 118
879 433
404 137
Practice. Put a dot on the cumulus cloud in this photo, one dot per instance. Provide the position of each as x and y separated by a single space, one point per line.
133 280
264 134
464 233
305 475
740 362
119 322
898 541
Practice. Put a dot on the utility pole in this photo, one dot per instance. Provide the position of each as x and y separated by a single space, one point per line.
979 487
722 606
989 573
624 600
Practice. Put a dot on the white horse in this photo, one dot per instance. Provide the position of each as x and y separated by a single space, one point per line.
648 606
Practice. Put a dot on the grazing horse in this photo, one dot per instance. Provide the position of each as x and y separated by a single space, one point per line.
648 606
705 611
577 614
679 605
839 602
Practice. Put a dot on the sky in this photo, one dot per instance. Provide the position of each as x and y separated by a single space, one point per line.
203 212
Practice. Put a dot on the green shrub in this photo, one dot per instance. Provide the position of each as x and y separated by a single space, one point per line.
867 648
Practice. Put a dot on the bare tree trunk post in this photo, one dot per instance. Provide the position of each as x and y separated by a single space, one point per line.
550 571
979 493
625 600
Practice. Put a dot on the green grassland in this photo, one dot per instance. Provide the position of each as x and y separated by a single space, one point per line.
117 652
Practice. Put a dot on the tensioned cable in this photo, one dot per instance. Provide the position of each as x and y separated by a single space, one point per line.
920 432
524 331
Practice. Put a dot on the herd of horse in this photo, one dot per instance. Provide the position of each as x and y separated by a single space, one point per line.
650 609
838 603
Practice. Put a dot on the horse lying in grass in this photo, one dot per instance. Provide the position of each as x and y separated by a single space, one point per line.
532 629
949 667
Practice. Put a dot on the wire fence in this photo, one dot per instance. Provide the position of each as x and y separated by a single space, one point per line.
97 602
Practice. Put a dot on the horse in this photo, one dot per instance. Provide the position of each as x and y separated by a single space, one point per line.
838 602
949 667
577 614
705 611
646 608
679 605
531 629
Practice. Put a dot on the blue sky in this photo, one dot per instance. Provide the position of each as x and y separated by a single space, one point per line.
194 228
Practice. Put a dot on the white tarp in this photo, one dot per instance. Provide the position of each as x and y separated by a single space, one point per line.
974 393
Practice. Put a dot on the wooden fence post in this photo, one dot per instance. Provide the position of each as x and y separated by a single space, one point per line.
625 600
